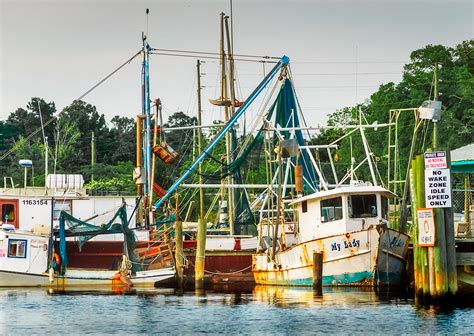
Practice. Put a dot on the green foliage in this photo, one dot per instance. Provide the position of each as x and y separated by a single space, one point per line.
112 178
455 91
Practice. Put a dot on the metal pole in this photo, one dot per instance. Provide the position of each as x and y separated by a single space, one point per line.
201 190
369 156
277 222
92 156
46 157
178 254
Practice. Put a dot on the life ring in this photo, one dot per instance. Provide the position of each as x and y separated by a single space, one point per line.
56 260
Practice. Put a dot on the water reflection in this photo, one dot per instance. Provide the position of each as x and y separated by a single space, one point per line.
228 309
303 296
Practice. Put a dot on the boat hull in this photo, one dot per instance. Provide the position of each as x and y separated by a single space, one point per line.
372 257
84 278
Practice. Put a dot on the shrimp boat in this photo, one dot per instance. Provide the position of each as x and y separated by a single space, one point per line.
349 224
33 259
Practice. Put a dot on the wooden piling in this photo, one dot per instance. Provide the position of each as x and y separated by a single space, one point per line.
318 272
422 283
450 245
200 254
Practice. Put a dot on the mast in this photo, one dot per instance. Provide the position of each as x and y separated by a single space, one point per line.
228 137
147 116
199 136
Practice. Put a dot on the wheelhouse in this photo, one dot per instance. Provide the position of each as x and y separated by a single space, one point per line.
347 209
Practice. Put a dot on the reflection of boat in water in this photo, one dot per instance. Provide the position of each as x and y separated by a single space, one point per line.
303 296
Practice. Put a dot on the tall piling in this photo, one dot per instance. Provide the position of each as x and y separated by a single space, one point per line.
450 245
434 266
200 254
422 283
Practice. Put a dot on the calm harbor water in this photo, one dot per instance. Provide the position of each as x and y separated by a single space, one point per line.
258 310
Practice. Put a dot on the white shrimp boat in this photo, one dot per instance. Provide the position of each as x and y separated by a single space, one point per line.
349 225
29 259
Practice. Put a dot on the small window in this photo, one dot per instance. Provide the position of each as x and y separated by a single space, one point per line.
64 205
385 214
331 209
304 206
8 213
17 248
362 206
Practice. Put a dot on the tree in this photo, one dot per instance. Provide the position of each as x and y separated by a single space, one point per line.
85 118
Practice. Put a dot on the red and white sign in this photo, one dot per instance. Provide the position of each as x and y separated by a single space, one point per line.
435 160
426 227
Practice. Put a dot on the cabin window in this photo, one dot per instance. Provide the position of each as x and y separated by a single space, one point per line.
304 206
61 205
331 209
385 208
17 248
362 206
9 212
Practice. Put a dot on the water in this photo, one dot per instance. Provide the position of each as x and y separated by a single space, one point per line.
260 310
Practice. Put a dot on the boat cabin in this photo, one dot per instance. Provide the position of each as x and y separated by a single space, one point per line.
341 210
22 252
31 208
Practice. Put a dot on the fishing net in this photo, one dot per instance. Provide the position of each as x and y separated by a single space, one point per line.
71 226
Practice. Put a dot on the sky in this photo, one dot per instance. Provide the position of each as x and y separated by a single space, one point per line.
340 51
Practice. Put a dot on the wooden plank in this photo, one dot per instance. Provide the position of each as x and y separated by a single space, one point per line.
465 258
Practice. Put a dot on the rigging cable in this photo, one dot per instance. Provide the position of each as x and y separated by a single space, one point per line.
11 150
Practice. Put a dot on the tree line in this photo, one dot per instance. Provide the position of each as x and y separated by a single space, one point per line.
69 132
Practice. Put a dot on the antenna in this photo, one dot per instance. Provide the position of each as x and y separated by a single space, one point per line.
147 14
45 140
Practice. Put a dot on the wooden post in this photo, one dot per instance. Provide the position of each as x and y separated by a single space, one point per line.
318 272
422 284
200 254
450 244
178 232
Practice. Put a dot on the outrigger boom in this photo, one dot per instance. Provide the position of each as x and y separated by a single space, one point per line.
283 62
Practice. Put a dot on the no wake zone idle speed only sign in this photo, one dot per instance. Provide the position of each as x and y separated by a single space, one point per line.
437 181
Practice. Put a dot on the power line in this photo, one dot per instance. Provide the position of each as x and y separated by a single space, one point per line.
212 53
211 57
11 150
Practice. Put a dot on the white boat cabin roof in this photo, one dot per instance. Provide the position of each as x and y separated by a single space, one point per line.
363 189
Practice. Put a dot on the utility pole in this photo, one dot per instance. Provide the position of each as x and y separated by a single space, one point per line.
201 234
92 156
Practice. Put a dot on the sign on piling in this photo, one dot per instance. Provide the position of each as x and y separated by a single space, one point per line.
435 160
438 188
426 227
437 180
